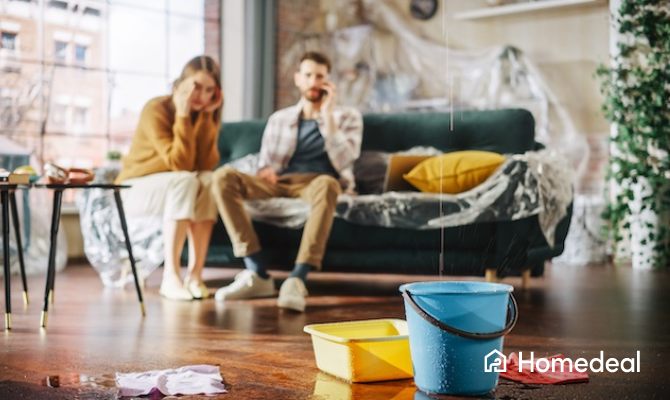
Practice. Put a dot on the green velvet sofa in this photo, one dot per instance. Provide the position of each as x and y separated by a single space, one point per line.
509 246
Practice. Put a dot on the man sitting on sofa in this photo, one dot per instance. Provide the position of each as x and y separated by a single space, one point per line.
307 151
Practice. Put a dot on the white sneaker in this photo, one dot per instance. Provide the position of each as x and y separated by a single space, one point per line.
292 294
247 285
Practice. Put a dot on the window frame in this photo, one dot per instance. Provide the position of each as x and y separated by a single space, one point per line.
64 50
77 60
77 55
15 41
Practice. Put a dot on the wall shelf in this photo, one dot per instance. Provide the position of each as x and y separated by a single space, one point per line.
517 8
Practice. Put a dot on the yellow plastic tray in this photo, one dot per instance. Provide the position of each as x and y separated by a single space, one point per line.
363 351
329 387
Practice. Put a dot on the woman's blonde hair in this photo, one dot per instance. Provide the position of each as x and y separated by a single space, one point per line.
201 63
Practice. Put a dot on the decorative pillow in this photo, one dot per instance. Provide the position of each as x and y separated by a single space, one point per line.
454 172
371 167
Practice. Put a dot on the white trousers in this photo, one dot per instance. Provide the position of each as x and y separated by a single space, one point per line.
179 195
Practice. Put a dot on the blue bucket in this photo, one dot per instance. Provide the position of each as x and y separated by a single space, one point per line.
454 330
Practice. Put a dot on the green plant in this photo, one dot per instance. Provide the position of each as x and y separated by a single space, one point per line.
114 155
636 88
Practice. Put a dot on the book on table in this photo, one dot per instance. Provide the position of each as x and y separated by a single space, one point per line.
13 178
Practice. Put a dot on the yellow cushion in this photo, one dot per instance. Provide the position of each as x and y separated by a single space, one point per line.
454 172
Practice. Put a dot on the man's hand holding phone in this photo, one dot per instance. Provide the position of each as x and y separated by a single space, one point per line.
268 175
329 95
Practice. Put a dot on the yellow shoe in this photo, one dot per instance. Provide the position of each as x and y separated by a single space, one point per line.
175 291
198 289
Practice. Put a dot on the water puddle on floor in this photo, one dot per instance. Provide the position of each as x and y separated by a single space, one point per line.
56 387
103 381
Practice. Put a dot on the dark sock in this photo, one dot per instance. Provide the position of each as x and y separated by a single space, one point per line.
301 270
256 263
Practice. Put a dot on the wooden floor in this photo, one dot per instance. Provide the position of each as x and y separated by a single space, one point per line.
263 354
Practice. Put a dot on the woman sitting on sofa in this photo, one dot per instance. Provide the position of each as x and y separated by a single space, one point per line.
168 166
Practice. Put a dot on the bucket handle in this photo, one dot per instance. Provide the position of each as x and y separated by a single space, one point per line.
512 316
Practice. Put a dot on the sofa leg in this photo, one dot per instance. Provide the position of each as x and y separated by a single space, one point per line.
491 275
525 279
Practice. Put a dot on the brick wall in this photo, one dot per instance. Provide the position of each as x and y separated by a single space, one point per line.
213 28
294 18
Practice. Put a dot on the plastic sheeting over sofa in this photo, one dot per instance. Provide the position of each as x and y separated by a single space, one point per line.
534 183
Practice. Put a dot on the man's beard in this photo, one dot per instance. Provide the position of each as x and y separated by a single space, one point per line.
312 95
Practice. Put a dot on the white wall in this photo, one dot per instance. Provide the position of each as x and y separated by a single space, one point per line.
232 64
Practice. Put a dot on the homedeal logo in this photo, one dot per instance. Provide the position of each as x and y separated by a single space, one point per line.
496 361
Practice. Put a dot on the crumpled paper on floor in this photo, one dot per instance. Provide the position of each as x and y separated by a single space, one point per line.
188 380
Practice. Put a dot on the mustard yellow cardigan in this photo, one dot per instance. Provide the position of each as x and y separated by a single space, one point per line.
164 143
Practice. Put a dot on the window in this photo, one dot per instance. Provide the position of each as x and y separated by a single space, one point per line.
92 11
8 40
80 54
58 4
79 116
132 51
6 108
58 115
5 102
60 51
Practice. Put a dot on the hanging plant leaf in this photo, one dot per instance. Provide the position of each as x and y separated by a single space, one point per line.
636 89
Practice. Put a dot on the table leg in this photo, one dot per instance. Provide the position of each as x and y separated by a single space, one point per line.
51 270
19 244
5 252
129 247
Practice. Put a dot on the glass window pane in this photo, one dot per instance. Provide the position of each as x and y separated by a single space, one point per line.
132 51
80 116
27 141
78 102
59 116
80 54
60 51
58 4
20 96
72 151
129 95
137 41
187 40
92 11
191 8
146 5
8 41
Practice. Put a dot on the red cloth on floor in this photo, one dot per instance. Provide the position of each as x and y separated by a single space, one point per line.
544 378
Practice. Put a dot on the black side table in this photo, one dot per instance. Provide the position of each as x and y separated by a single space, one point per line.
8 197
55 220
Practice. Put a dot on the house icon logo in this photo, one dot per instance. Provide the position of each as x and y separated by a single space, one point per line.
495 361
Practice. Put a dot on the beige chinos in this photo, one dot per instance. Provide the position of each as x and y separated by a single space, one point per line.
230 188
